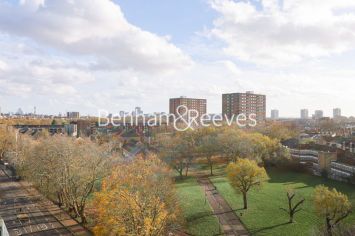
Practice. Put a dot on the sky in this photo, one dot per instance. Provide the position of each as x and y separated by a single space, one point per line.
79 55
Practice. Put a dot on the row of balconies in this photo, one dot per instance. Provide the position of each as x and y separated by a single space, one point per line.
340 173
343 167
305 157
304 152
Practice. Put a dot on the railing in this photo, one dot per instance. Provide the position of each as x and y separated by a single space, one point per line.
340 173
343 167
306 158
304 152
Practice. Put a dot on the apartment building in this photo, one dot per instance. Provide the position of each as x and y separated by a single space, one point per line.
200 105
274 114
73 115
234 104
318 114
304 114
336 112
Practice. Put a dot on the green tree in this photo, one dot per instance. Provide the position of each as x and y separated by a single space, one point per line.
54 122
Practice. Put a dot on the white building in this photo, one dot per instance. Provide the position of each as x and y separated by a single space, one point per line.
336 112
318 114
274 114
304 114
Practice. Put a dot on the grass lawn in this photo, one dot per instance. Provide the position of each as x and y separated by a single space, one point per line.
264 216
198 214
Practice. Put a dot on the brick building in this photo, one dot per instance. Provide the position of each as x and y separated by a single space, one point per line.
247 103
200 105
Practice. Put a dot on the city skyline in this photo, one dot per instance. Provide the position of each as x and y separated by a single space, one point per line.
304 113
109 55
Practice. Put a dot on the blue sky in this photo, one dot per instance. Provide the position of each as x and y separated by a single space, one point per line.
179 19
89 55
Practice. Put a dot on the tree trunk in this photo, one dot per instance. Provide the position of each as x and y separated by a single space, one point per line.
60 201
245 201
209 159
82 215
291 218
329 227
187 169
180 173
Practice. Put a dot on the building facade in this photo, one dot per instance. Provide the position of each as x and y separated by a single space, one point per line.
274 114
318 114
200 105
234 104
73 115
304 114
336 112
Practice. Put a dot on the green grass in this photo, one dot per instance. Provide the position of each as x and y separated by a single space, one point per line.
264 216
198 214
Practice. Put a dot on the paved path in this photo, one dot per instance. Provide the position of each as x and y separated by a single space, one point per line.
229 221
26 212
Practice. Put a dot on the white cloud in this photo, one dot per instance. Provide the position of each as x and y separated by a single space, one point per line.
3 66
25 75
284 33
84 55
95 28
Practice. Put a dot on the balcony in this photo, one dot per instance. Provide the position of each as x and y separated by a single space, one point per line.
343 167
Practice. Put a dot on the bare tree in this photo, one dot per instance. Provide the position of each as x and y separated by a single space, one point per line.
66 170
292 208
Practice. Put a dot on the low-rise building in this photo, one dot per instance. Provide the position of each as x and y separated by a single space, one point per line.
319 161
335 162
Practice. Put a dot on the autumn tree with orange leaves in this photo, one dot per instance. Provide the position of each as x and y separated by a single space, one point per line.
138 198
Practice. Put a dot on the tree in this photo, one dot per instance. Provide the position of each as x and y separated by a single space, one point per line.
175 150
188 141
7 141
334 206
138 198
262 147
231 143
65 170
292 208
209 147
280 131
245 174
54 122
242 144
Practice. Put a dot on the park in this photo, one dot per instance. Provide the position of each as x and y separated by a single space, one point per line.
264 216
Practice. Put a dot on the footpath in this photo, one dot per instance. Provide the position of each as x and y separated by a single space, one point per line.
228 219
26 212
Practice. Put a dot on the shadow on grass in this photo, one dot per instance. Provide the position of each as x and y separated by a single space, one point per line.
259 230
190 180
198 216
289 177
302 187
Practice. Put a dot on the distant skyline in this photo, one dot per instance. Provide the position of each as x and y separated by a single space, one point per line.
79 55
268 113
